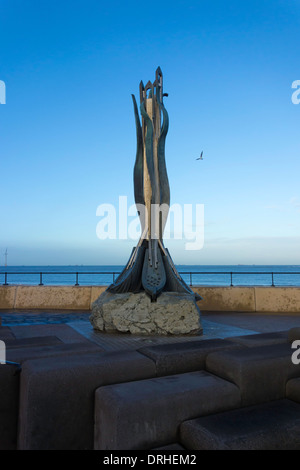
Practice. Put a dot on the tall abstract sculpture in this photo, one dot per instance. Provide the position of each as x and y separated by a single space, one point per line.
150 266
149 296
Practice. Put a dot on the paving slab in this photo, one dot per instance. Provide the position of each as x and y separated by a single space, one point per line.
57 396
183 357
270 426
6 333
144 414
261 373
62 331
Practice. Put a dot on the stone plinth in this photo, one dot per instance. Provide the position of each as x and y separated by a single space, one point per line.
172 314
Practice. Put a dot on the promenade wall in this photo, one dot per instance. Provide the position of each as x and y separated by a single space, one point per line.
229 299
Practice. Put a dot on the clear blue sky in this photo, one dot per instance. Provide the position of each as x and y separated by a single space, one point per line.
67 131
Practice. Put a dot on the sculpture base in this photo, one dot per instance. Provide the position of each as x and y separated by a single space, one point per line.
172 314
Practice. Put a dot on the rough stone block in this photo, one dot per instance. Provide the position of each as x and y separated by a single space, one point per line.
271 426
293 389
260 372
172 314
9 401
261 339
57 396
185 356
147 413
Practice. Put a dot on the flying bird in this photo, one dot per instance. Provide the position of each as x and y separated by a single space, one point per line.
201 157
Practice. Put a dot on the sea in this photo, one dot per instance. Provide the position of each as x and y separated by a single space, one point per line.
203 275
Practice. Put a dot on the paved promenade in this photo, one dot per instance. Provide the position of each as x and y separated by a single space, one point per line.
24 324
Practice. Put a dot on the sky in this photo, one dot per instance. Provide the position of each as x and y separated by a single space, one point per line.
68 138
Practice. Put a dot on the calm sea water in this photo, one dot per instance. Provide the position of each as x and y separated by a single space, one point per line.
242 275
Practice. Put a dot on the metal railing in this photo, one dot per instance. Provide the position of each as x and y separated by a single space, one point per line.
188 274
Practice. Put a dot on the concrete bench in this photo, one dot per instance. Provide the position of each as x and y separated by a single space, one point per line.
293 389
57 396
9 401
261 339
261 373
185 356
29 342
270 426
147 413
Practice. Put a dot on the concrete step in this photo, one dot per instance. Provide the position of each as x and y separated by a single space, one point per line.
145 414
187 356
261 373
271 426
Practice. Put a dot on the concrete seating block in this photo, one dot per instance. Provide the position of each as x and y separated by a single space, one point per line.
185 356
57 396
29 342
171 447
293 389
145 414
294 334
261 339
21 354
270 426
260 372
9 400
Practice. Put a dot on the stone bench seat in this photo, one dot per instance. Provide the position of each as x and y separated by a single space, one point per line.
261 373
185 356
145 414
270 426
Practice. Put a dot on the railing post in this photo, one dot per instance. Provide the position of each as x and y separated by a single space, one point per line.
231 280
191 282
113 277
273 285
41 279
76 283
5 279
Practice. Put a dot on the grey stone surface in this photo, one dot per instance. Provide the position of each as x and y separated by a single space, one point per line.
260 372
146 414
9 401
57 396
185 356
270 426
173 313
293 389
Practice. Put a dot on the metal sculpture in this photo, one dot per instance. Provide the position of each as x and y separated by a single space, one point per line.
150 266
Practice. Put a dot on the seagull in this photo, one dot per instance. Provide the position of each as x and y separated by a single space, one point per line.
200 158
